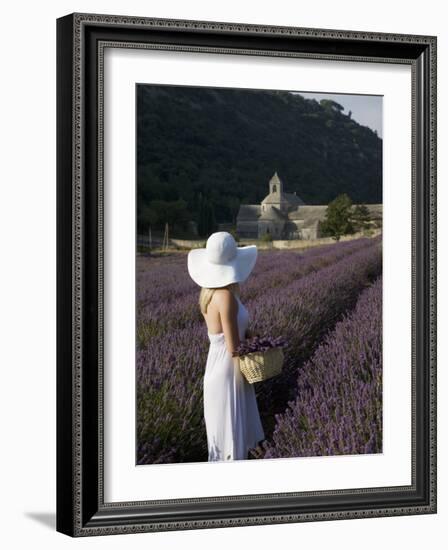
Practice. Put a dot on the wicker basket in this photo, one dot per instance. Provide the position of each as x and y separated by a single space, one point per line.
261 365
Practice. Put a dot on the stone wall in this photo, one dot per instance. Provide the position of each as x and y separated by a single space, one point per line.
301 243
289 244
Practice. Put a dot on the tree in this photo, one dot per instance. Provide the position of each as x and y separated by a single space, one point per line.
147 216
206 216
361 217
159 212
337 221
331 105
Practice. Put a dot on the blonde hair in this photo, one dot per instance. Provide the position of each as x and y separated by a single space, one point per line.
206 294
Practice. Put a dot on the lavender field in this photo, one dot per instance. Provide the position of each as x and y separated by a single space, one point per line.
326 301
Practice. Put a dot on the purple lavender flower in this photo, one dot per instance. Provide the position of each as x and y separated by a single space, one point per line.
300 296
257 343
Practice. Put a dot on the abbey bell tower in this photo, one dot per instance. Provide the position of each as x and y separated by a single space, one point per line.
275 185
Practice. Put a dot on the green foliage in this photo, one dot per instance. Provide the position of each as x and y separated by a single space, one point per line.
337 221
266 237
206 216
361 217
331 105
158 212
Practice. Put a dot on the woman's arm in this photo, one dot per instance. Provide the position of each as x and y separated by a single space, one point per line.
228 310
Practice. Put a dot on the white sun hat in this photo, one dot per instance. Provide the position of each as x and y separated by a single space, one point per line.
221 262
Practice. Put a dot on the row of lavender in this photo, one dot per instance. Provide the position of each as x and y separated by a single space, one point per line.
304 312
170 364
166 279
168 299
338 407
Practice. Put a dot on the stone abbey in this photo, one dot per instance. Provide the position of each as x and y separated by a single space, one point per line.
286 216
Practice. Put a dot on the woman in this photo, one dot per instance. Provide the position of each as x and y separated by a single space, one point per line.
231 414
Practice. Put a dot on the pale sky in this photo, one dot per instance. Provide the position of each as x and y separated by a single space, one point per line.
367 110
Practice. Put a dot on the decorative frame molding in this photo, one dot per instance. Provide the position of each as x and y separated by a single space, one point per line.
81 39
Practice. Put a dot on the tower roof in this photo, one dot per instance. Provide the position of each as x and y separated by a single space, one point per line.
274 198
279 196
275 178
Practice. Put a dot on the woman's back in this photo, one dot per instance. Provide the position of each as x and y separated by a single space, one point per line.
224 306
230 409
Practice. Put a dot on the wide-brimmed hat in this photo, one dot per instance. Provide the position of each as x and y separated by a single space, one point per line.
221 262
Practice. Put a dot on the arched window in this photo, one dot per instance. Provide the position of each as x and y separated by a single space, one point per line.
274 188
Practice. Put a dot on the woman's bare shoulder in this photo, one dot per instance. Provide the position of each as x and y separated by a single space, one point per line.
224 298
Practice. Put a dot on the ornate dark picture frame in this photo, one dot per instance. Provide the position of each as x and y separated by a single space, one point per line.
81 39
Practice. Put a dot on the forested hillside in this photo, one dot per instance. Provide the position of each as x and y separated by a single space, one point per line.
208 149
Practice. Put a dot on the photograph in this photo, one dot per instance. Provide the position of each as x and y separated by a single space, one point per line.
232 286
258 280
246 260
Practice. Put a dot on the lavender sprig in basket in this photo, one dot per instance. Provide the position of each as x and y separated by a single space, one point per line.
261 357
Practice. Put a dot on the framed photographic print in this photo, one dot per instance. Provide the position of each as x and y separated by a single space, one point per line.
246 275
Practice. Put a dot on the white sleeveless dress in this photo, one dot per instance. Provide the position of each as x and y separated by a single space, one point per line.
231 414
